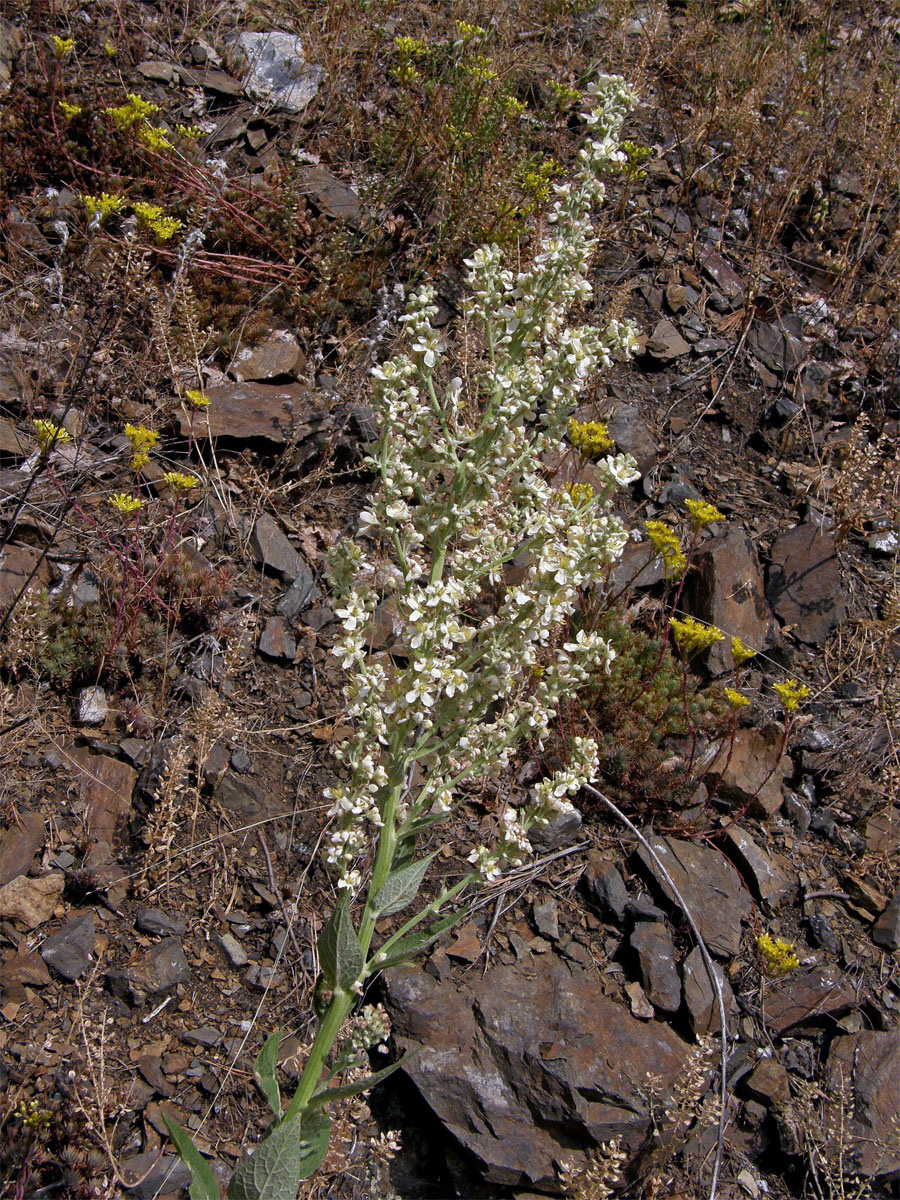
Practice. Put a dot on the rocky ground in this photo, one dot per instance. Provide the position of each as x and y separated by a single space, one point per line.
160 884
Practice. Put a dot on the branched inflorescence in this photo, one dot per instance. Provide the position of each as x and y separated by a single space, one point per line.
462 492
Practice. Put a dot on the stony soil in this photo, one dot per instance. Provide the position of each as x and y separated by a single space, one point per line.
160 886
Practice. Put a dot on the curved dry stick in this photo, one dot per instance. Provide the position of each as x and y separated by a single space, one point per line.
710 970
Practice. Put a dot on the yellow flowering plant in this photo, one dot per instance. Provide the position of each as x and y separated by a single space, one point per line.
124 504
590 437
196 399
778 956
692 636
664 541
702 514
62 47
791 693
49 434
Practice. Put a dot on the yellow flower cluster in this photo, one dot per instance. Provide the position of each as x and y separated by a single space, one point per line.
180 481
190 133
590 437
740 653
692 636
101 206
135 110
70 111
791 693
702 514
481 68
49 434
467 31
736 699
124 504
778 956
667 546
580 493
62 46
157 222
196 399
109 48
513 107
565 96
142 442
154 138
536 180
411 47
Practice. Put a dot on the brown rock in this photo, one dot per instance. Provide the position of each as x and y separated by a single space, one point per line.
21 567
106 786
271 549
722 274
13 441
330 195
21 842
653 945
769 1083
769 876
25 968
804 585
700 997
532 1060
666 343
277 641
807 995
776 345
861 1082
726 590
268 360
753 767
270 412
710 886
31 901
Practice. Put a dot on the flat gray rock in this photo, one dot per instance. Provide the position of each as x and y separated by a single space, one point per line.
861 1085
804 586
278 75
70 952
155 973
271 549
655 950
710 886
700 996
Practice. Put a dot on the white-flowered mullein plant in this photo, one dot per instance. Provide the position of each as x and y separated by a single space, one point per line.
463 489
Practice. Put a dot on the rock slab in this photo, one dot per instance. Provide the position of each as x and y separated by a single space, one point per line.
532 1060
804 586
862 1075
710 886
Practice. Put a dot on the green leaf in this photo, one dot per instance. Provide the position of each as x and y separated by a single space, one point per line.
404 852
401 887
264 1072
403 950
340 954
203 1183
353 1089
290 1151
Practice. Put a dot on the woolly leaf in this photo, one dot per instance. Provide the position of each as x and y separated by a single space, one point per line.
264 1072
401 887
340 954
203 1183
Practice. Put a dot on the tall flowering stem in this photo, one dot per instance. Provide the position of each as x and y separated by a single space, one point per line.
461 492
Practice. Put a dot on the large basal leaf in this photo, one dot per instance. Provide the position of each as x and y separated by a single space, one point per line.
204 1185
354 1089
264 1072
290 1151
340 954
403 950
401 887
